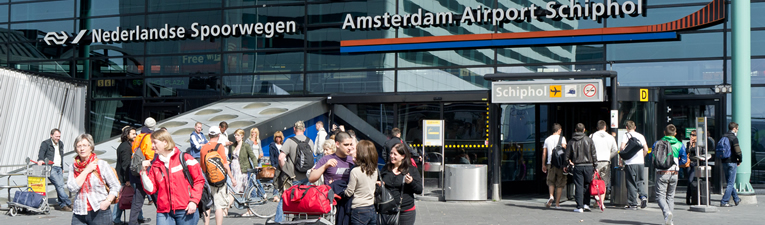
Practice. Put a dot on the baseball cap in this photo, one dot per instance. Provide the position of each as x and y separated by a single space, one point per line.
214 130
150 123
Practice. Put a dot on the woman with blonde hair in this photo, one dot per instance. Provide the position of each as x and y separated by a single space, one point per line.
177 196
273 153
254 142
236 151
90 178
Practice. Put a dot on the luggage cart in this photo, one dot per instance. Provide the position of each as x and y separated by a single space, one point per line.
303 218
37 183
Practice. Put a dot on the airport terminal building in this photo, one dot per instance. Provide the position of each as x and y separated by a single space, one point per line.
377 64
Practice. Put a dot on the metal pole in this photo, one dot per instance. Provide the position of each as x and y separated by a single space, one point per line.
706 163
742 98
698 181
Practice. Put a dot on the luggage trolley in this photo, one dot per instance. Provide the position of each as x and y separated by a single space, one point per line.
301 218
34 198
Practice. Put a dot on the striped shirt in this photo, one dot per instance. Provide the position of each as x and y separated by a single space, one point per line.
97 193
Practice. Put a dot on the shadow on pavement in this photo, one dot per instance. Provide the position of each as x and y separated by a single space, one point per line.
528 206
624 222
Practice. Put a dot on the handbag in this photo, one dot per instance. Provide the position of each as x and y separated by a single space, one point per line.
28 198
126 197
597 186
266 173
383 199
392 218
632 147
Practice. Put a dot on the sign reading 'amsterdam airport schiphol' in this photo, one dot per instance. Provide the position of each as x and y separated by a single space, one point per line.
552 10
547 91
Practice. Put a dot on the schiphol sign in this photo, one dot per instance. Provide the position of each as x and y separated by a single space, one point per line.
590 90
480 15
167 32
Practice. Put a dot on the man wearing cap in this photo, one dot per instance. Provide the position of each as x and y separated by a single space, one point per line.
52 150
220 194
144 141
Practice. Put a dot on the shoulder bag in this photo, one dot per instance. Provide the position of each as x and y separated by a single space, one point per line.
383 199
391 217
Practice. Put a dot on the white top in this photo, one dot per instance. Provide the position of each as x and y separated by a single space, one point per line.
638 158
321 136
97 192
605 145
550 144
56 155
223 140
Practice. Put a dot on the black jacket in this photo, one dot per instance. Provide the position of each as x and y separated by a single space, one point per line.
124 154
343 215
393 184
385 154
581 150
735 149
47 151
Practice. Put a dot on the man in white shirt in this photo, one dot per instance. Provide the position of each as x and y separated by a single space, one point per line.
555 178
321 135
52 150
605 147
634 169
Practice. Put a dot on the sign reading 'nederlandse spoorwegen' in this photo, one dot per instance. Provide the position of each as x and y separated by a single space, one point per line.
481 15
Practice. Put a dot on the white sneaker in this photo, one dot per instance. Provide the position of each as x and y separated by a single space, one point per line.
668 221
587 207
578 210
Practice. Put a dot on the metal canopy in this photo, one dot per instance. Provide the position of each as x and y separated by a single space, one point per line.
551 75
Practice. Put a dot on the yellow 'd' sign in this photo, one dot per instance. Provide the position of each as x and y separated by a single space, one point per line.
643 95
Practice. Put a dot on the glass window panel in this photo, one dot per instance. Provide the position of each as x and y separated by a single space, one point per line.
551 54
758 18
459 57
670 73
550 68
107 118
655 16
518 127
350 82
41 28
258 2
331 36
545 24
42 10
189 45
189 64
181 5
116 88
258 62
458 79
757 43
126 66
465 127
379 116
254 85
3 11
758 129
757 74
456 8
110 24
183 86
263 15
59 68
114 7
689 46
334 60
335 12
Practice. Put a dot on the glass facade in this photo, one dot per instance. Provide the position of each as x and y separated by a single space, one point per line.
128 78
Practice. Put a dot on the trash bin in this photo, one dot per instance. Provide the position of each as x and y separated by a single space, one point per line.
465 182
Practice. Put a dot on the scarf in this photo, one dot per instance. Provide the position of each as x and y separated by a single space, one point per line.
80 165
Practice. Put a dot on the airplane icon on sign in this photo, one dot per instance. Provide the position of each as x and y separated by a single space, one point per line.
555 91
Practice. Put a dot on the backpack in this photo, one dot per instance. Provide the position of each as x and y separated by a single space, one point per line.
216 171
663 158
559 155
304 158
206 201
633 147
723 148
136 162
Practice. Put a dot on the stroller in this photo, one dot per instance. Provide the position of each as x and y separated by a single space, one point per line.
33 198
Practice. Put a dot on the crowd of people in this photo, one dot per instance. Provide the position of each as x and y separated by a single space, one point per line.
151 165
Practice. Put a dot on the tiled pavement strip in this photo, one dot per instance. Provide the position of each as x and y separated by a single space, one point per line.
520 210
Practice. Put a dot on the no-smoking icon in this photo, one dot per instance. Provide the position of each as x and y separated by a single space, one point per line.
590 90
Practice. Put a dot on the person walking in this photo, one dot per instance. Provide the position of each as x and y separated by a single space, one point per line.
582 155
52 150
289 176
633 169
321 137
254 142
605 146
237 150
90 178
144 142
274 149
177 199
197 139
361 185
399 172
220 194
666 179
555 178
730 166
123 168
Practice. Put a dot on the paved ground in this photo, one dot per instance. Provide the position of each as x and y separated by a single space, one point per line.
518 210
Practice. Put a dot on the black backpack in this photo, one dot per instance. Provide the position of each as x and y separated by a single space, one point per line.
304 158
559 155
206 201
633 147
663 158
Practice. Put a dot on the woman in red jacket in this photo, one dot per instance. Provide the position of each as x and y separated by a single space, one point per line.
177 199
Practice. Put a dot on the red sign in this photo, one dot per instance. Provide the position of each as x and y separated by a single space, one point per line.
590 90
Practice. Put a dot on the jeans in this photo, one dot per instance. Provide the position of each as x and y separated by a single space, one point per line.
57 178
582 179
690 175
279 217
117 213
665 192
177 217
635 183
136 210
99 217
730 177
364 216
